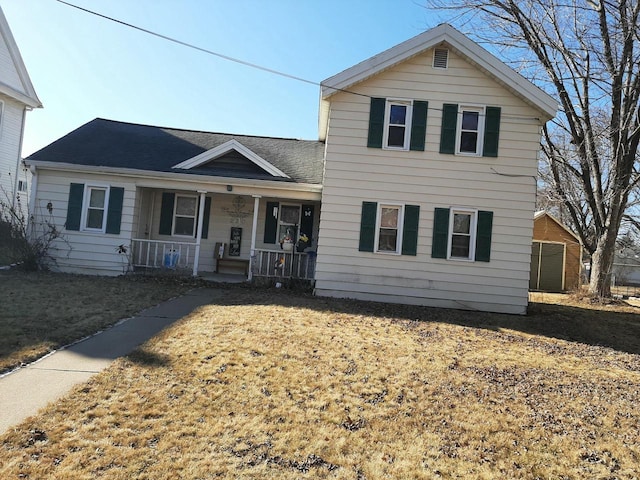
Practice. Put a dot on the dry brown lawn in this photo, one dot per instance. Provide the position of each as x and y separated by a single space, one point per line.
40 312
278 385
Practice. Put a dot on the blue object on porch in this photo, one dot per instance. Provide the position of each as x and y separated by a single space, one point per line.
171 259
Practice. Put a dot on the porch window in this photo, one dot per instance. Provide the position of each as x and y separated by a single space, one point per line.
184 219
288 224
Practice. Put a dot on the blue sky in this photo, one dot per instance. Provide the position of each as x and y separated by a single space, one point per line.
84 67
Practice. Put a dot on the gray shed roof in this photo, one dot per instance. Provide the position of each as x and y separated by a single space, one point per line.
108 143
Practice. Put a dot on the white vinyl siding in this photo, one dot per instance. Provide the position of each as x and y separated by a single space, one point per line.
354 172
82 251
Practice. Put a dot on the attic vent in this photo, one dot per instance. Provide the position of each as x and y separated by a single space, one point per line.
440 58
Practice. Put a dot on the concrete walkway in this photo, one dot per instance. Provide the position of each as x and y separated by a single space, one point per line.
26 390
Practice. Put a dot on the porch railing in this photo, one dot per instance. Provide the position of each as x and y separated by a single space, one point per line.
160 254
282 264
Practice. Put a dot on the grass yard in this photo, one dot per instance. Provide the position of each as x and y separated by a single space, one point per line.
40 312
272 384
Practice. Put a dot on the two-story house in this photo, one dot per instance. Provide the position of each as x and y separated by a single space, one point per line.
17 97
430 177
420 189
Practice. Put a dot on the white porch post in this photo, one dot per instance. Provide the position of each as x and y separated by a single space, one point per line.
199 231
254 228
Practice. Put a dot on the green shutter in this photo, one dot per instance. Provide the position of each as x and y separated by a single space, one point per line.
410 230
114 210
440 233
271 222
376 122
483 236
74 207
205 220
306 223
449 125
166 213
418 125
491 132
368 226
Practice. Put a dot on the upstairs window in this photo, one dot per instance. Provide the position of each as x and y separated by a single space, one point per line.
470 130
22 186
471 121
397 124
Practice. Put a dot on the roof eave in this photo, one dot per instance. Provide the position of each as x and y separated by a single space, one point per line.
443 33
179 177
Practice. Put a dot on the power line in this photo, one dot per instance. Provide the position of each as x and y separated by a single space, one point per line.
237 60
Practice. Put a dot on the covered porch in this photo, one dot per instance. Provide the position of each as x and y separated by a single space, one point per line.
230 232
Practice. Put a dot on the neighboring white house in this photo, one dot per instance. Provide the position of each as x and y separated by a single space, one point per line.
430 177
17 97
420 190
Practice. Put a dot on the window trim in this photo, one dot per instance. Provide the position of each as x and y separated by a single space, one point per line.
389 102
473 229
481 111
399 228
23 184
175 215
85 207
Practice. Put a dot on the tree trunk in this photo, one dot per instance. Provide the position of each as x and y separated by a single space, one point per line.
601 265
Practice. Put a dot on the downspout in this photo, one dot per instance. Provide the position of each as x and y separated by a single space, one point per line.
199 231
254 228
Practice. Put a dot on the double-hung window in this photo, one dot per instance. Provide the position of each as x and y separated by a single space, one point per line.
288 224
94 208
462 234
184 220
470 127
397 124
389 229
95 201
470 130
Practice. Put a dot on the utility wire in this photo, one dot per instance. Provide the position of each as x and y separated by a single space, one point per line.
237 60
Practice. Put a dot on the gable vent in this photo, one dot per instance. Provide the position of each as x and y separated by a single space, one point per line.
440 58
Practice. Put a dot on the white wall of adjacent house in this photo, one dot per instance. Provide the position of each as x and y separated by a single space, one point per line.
504 185
11 121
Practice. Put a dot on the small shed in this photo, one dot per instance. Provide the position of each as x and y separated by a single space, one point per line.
556 255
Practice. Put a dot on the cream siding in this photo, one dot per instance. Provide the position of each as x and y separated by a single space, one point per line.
355 173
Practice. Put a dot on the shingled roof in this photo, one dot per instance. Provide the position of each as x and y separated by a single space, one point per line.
108 143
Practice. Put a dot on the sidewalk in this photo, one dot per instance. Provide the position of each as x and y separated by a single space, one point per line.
28 389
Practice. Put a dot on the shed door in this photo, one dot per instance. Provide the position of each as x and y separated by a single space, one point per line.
547 266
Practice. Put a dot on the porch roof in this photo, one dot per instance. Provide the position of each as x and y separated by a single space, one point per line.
109 143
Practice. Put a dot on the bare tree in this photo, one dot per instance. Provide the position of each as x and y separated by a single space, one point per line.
587 54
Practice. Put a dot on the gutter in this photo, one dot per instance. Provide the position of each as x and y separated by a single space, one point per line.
179 177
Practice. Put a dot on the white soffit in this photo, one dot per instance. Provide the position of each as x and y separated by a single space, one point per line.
226 147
